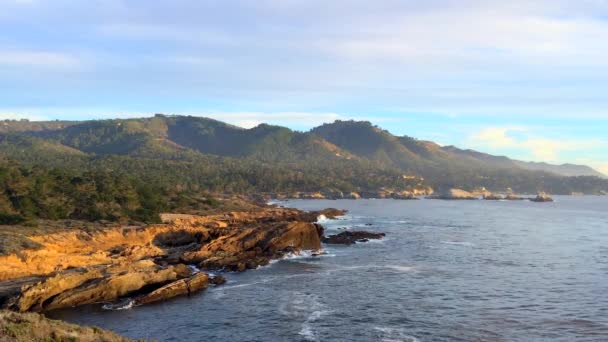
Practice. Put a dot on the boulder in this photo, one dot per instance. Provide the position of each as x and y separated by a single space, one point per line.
492 197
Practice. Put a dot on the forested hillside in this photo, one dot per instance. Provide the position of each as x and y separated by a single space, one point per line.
132 169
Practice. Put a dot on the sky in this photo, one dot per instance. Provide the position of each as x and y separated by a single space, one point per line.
526 79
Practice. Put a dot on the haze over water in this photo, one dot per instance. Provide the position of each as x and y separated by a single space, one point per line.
447 271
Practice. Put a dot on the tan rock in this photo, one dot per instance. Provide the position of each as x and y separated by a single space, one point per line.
180 287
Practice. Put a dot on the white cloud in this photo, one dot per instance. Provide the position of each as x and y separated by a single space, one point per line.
39 59
522 141
601 167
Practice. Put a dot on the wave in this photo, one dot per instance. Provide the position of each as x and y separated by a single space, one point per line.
458 243
307 254
400 268
322 218
395 335
125 304
297 305
194 269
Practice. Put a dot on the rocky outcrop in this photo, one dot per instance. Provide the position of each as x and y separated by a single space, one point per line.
151 263
187 286
542 197
250 248
93 285
454 194
492 197
352 237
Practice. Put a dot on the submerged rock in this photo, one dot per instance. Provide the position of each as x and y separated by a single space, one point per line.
351 237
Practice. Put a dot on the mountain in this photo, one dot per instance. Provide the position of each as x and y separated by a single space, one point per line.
344 155
563 170
568 170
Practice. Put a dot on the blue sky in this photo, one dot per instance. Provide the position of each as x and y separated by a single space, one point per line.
527 79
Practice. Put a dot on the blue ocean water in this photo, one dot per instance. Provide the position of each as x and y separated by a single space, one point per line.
446 271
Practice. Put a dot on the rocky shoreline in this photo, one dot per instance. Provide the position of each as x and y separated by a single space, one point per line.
151 263
448 194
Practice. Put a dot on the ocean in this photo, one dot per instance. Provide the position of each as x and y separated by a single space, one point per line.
446 271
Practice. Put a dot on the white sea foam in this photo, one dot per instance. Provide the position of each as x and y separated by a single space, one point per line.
395 335
307 333
322 218
125 304
194 269
306 307
400 268
458 243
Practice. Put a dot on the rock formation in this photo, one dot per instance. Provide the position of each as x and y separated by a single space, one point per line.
150 263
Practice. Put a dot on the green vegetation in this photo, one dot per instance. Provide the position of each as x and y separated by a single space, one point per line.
131 170
27 327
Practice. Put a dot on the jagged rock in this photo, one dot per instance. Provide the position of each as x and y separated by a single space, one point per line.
351 237
492 197
34 296
251 247
187 286
93 285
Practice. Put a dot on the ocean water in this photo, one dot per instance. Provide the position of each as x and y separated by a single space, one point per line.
446 271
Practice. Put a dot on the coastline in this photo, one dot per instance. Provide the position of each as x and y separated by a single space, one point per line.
124 265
